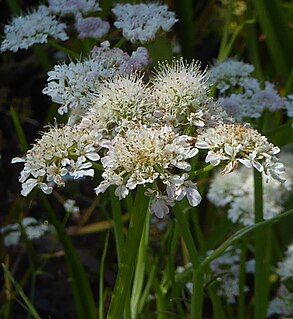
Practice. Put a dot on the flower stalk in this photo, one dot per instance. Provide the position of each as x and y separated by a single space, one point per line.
129 257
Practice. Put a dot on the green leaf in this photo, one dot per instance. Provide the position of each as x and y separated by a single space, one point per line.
27 303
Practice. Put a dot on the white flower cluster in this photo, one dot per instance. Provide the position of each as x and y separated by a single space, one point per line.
224 274
145 133
236 191
140 156
241 95
33 27
119 102
229 74
141 22
70 207
226 271
91 27
285 268
60 152
72 7
29 225
236 143
71 85
282 304
181 93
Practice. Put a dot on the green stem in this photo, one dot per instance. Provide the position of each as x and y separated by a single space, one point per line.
261 278
225 34
118 224
101 283
127 265
198 274
140 269
61 48
242 272
197 293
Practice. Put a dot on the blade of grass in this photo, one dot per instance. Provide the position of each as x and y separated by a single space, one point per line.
277 32
27 303
240 234
140 269
101 283
19 131
84 301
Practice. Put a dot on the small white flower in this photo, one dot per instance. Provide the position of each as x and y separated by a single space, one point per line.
236 144
68 7
181 93
60 151
34 27
91 27
141 22
140 155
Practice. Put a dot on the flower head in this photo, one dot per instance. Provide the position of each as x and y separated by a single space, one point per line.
72 85
181 93
229 74
141 22
119 101
91 27
142 155
60 152
236 143
29 225
34 27
72 7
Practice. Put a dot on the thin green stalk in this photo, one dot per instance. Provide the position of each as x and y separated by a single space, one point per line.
127 265
197 293
19 131
225 33
261 278
140 269
278 34
252 43
242 273
160 301
61 48
147 288
198 274
27 303
240 234
118 224
101 283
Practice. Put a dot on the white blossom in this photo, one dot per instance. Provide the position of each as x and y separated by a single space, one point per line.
285 267
59 152
71 207
236 192
181 93
141 22
72 7
236 143
121 100
72 85
36 26
142 155
230 73
91 27
29 225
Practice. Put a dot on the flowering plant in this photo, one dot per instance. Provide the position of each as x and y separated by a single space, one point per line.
142 135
